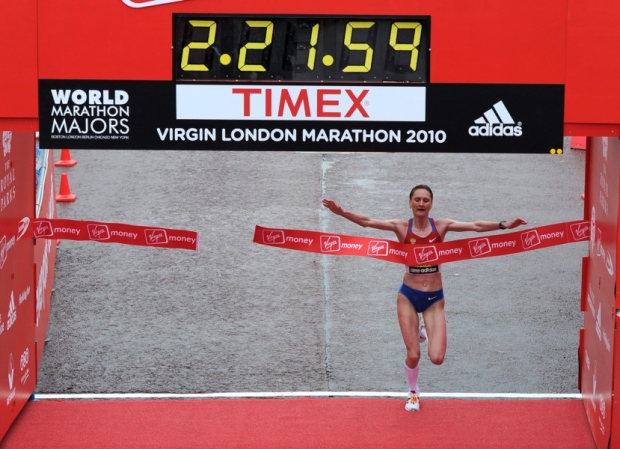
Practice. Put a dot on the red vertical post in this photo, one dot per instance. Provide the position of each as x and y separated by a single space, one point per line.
598 349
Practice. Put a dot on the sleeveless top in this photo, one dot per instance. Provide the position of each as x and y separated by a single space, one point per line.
414 239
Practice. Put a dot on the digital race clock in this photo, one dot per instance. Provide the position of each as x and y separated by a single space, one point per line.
305 49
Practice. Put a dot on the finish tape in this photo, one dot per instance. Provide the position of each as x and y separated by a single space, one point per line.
56 228
407 254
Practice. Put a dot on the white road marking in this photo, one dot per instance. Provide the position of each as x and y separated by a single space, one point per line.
303 394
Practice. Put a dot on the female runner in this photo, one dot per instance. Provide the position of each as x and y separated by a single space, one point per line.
422 288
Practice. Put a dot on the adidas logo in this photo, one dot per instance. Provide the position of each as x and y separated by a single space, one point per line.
12 313
497 121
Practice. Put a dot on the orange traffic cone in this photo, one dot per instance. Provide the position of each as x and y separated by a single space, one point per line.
65 194
65 159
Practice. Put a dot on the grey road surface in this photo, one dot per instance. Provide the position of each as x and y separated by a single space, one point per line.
240 317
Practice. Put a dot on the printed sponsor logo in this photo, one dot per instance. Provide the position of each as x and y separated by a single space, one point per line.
11 371
3 251
11 375
273 237
592 228
609 264
42 281
330 243
44 269
156 236
303 240
132 235
599 323
66 230
22 227
600 251
300 103
507 244
591 301
98 232
530 239
5 246
606 340
377 248
425 254
580 231
8 189
323 103
148 3
6 141
599 242
551 235
479 247
1 325
355 246
12 314
398 252
23 295
24 360
43 229
497 121
91 113
175 238
451 252
592 402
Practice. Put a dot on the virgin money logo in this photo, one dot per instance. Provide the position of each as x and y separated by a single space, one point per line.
609 264
425 254
98 232
272 237
5 246
147 3
156 236
11 371
43 229
330 243
530 239
22 227
479 247
580 231
377 248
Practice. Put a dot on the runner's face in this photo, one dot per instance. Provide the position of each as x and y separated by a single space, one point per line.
421 202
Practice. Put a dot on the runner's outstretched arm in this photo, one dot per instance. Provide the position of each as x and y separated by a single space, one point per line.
360 219
481 225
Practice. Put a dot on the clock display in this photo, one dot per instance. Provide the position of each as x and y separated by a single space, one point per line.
305 49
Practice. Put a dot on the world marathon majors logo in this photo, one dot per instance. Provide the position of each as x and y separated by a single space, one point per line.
90 114
497 122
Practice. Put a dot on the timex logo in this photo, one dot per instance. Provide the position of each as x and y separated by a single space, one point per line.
320 102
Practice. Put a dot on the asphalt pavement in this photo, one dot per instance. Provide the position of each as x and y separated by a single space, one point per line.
235 316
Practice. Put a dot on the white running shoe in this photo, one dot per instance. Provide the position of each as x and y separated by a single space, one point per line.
423 336
413 402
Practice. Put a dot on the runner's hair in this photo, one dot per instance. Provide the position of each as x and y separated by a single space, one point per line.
421 186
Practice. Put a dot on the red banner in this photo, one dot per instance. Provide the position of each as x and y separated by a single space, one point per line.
452 251
114 233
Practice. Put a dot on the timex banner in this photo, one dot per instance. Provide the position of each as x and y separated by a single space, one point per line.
466 118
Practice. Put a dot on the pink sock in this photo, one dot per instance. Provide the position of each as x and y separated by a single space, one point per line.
412 377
